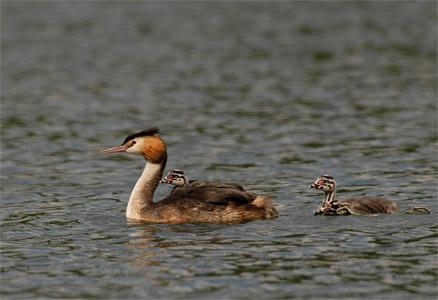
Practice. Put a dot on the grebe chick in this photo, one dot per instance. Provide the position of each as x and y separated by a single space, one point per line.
353 206
199 202
177 178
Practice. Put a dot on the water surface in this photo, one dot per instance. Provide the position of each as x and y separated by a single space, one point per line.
266 94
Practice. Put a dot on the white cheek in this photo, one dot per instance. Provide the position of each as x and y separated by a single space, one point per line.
136 149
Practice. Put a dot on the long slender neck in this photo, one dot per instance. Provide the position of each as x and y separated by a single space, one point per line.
143 192
329 197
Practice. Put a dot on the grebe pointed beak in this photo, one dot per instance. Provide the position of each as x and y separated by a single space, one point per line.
116 149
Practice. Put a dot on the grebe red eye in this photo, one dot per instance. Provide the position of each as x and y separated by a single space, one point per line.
134 142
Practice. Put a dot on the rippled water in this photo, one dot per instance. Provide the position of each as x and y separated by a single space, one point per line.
266 94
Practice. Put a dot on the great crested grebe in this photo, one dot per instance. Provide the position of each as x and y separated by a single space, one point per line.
177 178
353 206
202 202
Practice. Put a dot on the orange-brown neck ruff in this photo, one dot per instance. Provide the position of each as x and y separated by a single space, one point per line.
154 150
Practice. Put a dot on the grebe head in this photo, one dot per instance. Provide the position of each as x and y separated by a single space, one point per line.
325 182
176 177
146 143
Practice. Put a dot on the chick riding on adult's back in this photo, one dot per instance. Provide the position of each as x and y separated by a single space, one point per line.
202 202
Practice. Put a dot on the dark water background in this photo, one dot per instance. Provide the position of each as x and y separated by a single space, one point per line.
266 94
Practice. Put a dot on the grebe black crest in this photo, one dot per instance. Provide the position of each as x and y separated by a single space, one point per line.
197 201
176 177
353 206
147 132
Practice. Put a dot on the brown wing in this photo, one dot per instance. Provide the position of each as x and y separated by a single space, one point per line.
210 192
371 205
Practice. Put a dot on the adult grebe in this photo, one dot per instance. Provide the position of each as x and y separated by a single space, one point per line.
353 206
206 202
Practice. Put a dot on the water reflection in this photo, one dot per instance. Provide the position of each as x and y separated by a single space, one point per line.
267 95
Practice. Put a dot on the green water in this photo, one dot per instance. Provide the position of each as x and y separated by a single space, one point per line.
269 95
